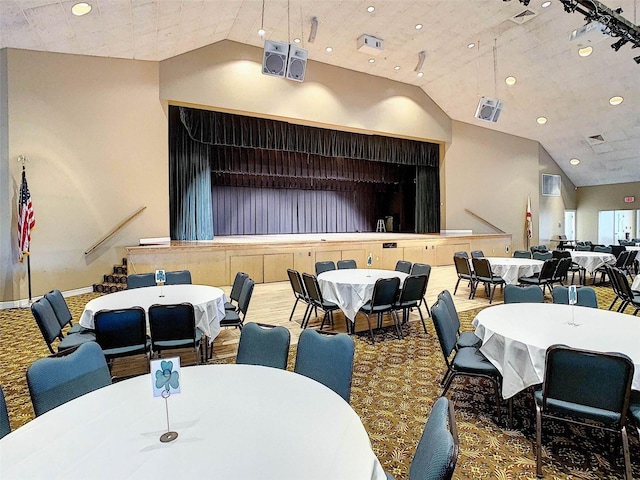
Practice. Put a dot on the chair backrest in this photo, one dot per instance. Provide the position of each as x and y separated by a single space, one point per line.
60 307
385 292
446 298
622 283
325 266
437 452
171 322
586 296
264 345
347 264
403 266
596 385
548 269
477 254
312 287
622 259
445 329
602 249
562 268
296 284
560 254
462 265
413 288
327 359
47 321
5 426
461 254
56 380
614 280
525 294
538 248
139 280
236 288
125 327
421 269
180 277
521 254
245 296
482 267
583 248
538 255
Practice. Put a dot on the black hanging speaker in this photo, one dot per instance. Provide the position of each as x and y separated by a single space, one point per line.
275 58
297 64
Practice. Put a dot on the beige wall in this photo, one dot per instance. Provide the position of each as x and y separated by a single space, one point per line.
6 226
490 174
95 130
96 136
551 221
603 197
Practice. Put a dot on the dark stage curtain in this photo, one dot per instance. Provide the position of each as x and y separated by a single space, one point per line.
231 175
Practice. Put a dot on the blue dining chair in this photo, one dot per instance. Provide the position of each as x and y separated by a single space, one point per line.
265 345
5 426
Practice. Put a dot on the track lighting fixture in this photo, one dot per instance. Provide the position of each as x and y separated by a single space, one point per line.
314 30
421 57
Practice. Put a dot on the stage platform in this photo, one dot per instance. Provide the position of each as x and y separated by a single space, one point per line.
266 258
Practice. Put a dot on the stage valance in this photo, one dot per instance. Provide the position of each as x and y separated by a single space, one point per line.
216 128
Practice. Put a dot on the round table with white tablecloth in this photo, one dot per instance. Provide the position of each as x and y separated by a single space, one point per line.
351 288
511 269
515 338
234 422
207 301
591 261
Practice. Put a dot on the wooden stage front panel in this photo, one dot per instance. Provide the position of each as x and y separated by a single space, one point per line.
266 258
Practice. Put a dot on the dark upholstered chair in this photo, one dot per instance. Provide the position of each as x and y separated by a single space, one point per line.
174 327
467 361
403 266
140 280
477 254
463 339
179 277
299 292
484 275
264 345
317 301
56 380
63 314
411 295
586 296
236 318
383 299
464 272
587 388
122 333
322 267
51 330
523 294
544 278
236 289
347 264
422 269
327 359
521 254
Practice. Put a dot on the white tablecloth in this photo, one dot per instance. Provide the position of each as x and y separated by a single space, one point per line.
636 284
510 269
351 288
207 301
636 248
234 422
515 338
590 261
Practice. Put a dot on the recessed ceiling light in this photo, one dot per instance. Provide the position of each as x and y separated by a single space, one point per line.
80 9
420 74
471 45
397 67
585 51
296 40
371 9
372 60
574 161
329 49
541 120
419 26
546 4
510 81
615 100
261 32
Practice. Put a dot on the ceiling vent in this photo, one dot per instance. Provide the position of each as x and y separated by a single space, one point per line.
523 17
595 140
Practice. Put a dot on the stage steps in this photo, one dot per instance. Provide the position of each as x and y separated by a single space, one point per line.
114 281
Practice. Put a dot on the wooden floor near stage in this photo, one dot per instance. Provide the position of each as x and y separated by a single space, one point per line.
266 258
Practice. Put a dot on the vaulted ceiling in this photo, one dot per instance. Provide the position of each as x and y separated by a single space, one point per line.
529 43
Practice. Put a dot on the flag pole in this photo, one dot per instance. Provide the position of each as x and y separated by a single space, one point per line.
29 276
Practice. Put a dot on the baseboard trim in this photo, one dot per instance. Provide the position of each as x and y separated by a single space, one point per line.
24 302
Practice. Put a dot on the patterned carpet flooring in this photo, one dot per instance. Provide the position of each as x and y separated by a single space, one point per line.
395 383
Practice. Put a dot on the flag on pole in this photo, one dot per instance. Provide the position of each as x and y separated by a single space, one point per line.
529 220
26 218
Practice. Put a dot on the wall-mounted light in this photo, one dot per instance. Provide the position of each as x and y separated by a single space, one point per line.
421 57
314 29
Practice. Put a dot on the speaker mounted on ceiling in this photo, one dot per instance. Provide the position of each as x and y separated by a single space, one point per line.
489 109
297 63
275 58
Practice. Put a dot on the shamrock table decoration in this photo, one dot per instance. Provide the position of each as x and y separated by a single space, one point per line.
166 382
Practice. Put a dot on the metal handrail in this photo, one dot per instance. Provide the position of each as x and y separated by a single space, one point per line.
484 221
114 231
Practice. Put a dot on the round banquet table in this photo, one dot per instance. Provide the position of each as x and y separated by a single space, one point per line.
515 338
233 422
207 301
591 261
351 288
511 269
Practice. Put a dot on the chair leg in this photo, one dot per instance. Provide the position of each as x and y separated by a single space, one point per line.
422 320
628 474
492 290
538 442
396 321
370 331
447 382
456 287
294 308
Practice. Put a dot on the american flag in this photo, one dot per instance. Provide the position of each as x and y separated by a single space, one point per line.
26 218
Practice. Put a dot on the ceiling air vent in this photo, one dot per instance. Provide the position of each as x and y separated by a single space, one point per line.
595 140
523 16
